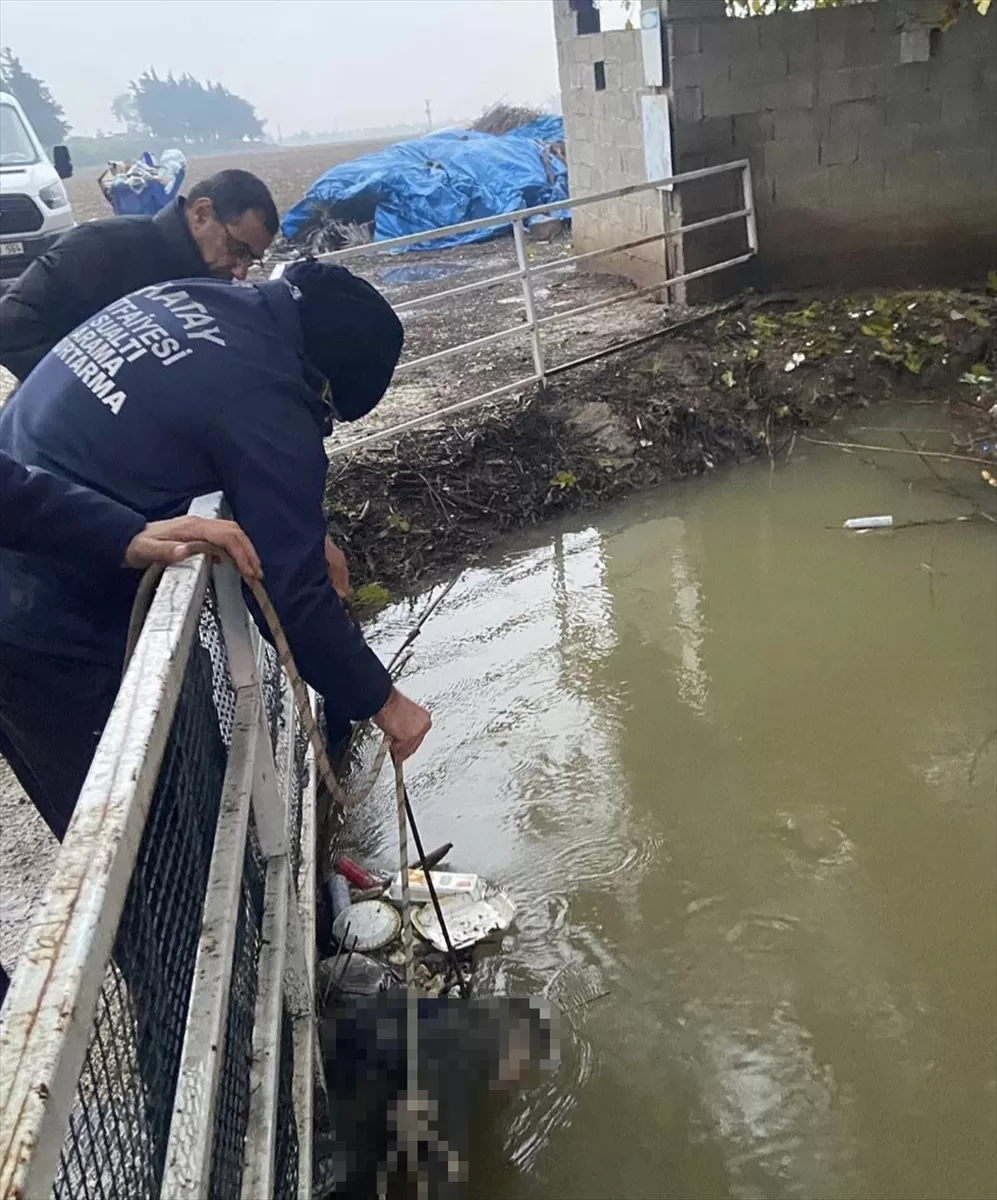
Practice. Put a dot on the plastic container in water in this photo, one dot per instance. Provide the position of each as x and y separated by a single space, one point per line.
339 894
869 522
367 926
447 883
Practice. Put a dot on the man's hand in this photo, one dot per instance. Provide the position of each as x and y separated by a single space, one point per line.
339 571
170 542
406 724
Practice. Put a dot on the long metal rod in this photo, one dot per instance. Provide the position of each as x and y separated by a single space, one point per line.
644 291
631 343
572 202
427 418
679 231
519 237
748 193
477 286
487 340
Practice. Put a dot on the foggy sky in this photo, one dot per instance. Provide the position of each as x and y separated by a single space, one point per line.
305 64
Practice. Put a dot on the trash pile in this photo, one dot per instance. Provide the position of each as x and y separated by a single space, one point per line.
438 180
365 954
143 187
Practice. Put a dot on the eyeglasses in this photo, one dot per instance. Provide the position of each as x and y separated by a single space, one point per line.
240 252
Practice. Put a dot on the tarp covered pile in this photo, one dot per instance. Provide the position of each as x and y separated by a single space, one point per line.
439 180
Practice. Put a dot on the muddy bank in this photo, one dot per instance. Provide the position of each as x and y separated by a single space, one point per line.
735 385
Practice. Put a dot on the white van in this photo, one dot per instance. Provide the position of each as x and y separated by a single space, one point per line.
34 207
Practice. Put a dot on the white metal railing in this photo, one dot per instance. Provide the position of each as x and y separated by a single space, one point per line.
48 1021
525 272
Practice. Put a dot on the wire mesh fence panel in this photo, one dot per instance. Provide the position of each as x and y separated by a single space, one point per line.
296 795
228 1158
272 685
116 1143
210 634
127 1114
286 1153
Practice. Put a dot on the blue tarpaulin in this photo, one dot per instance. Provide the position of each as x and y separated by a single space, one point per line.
442 179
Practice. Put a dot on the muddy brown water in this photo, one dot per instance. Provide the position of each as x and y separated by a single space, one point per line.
738 772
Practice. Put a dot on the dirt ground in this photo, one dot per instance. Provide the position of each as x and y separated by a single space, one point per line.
288 171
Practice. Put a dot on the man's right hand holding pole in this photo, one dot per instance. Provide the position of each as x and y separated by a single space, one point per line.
405 723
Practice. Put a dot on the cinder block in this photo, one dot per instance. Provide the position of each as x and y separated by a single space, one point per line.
855 184
830 49
853 83
959 105
758 65
876 49
633 74
907 79
892 143
973 169
915 45
694 10
692 69
715 138
689 160
753 129
797 124
913 110
730 38
784 160
687 105
684 38
834 24
788 31
579 75
625 107
906 178
856 116
731 99
835 149
801 191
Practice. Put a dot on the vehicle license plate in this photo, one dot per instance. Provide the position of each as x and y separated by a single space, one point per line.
11 248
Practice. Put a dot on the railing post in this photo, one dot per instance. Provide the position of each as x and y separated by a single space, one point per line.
519 236
748 196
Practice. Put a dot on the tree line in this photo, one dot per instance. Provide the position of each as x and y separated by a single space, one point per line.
183 109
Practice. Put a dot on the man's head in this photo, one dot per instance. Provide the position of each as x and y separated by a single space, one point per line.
233 219
351 334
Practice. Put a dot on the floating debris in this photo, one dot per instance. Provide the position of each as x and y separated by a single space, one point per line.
869 522
468 921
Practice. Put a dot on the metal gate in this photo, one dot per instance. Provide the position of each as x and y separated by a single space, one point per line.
534 322
159 1035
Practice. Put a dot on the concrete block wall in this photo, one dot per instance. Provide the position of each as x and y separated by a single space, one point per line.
871 132
866 168
605 145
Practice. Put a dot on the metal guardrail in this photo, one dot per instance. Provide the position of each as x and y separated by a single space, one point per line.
159 1035
525 272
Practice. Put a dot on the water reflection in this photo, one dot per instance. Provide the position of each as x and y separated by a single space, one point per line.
737 773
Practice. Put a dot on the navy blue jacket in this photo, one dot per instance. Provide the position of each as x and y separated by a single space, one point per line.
178 390
43 514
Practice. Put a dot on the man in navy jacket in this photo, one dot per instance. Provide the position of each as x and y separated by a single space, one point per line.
175 391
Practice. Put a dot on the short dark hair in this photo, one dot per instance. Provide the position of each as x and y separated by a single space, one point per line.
235 192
